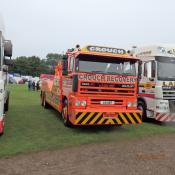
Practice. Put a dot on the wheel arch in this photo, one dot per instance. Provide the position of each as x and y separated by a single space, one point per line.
142 100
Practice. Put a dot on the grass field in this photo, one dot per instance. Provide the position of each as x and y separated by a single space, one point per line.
30 128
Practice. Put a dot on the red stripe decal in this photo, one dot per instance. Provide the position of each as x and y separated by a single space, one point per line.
172 118
162 115
157 114
166 118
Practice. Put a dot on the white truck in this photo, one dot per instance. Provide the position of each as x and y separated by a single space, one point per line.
157 82
5 51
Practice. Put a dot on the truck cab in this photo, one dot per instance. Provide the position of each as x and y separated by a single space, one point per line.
95 85
5 51
157 82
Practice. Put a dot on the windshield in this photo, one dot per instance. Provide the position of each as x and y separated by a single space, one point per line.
0 45
166 68
107 66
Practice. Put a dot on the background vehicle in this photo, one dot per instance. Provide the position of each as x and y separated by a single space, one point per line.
157 82
5 51
94 86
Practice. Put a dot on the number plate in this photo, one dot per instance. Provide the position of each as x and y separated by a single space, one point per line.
107 102
110 115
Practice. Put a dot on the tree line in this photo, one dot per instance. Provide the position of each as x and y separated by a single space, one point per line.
34 66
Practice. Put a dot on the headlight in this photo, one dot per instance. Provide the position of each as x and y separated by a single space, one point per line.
129 104
83 103
77 103
132 104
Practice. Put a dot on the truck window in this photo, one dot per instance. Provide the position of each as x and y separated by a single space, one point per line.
153 69
145 70
165 68
107 66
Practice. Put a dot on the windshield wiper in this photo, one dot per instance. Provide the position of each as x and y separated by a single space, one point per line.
96 71
129 74
113 73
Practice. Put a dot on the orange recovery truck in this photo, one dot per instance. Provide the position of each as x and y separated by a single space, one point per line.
94 86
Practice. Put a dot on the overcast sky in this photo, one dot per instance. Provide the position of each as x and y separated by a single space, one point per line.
37 27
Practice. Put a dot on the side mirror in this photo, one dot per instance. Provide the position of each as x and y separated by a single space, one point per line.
65 72
8 62
8 48
65 66
5 68
139 69
151 79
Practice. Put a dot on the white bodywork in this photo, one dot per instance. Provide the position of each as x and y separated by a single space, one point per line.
3 83
157 80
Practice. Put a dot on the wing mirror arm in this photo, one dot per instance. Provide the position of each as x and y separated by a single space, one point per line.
151 79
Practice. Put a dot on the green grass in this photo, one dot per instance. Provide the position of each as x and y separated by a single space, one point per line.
30 128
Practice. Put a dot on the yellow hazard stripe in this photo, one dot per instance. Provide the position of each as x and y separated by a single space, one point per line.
80 117
87 118
130 118
101 121
118 121
137 117
110 121
96 117
123 118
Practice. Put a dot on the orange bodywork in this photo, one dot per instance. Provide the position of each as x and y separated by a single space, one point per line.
98 99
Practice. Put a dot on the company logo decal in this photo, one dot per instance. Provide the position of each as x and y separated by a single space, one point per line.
106 50
171 83
106 78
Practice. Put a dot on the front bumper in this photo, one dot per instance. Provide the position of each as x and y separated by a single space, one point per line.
165 117
94 117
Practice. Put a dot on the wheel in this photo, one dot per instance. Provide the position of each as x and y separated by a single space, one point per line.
142 107
6 105
65 115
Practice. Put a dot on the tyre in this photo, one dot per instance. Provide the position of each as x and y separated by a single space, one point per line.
6 105
65 115
142 107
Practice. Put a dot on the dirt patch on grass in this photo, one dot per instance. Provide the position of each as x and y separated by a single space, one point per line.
154 155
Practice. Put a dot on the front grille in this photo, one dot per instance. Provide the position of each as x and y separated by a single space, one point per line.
169 95
107 89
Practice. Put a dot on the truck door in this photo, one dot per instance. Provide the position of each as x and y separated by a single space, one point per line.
148 85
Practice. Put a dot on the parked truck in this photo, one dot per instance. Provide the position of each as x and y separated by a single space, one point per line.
94 86
157 82
5 51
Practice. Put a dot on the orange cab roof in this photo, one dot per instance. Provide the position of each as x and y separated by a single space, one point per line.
102 51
